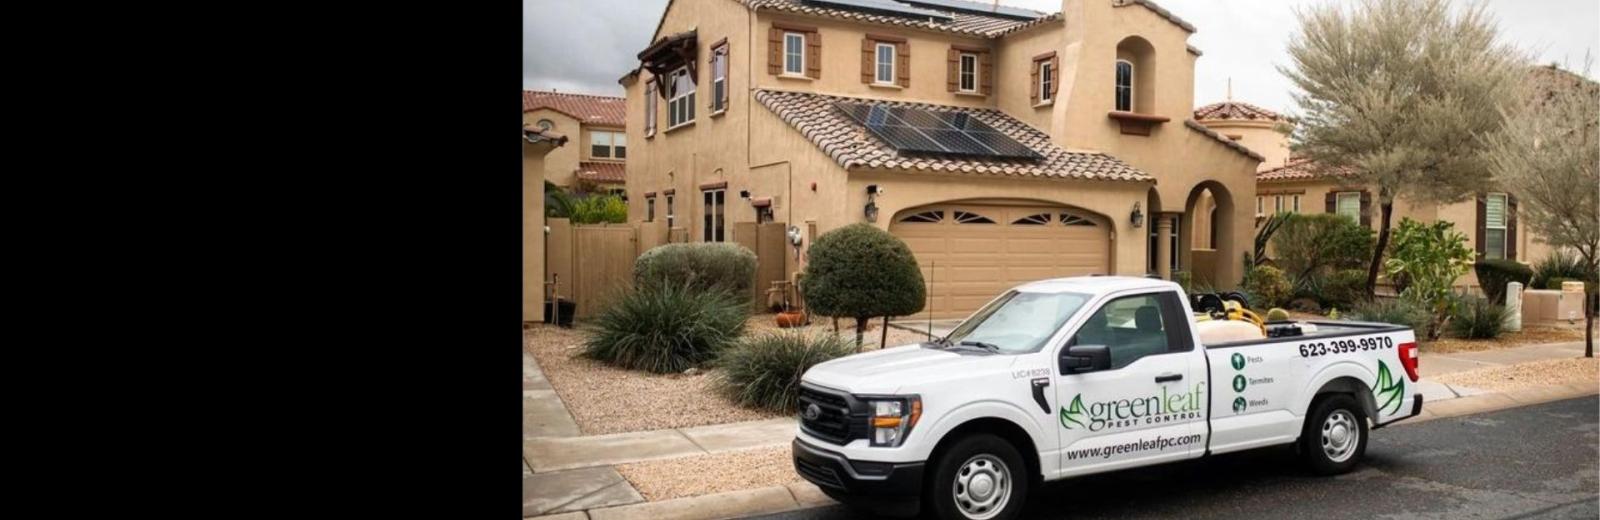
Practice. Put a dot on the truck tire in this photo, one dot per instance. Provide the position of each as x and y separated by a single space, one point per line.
980 477
1335 435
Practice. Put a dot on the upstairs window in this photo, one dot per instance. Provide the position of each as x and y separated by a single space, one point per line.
680 102
650 108
968 76
719 78
794 53
1124 86
1046 80
608 145
884 64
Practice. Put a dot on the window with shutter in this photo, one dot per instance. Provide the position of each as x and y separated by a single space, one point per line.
884 70
1494 223
1349 205
968 75
794 53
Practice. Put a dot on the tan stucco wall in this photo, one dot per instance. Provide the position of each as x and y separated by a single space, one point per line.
562 162
533 168
1259 137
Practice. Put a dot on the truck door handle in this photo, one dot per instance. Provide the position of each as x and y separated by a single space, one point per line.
1163 378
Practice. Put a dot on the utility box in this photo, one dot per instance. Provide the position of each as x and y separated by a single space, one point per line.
1514 306
1571 306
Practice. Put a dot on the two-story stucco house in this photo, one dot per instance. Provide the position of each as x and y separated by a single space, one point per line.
595 123
1003 145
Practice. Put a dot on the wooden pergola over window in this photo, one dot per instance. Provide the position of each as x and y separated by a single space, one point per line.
669 53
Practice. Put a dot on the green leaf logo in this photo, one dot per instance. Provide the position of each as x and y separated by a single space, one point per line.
1238 361
1072 412
1238 405
1238 383
1389 390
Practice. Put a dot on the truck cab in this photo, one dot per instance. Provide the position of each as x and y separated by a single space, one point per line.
1075 376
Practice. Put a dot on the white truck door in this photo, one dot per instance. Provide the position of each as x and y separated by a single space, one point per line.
1144 404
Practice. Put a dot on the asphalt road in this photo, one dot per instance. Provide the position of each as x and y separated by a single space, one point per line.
1530 462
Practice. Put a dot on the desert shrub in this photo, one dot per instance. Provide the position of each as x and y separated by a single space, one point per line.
666 328
699 265
1560 264
860 271
1493 275
1267 287
1430 257
596 209
1391 310
1554 283
1477 318
1307 247
1344 288
764 371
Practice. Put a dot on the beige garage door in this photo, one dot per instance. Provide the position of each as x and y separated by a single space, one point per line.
971 253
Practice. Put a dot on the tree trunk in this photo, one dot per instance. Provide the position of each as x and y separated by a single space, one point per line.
861 328
1591 304
1387 209
883 339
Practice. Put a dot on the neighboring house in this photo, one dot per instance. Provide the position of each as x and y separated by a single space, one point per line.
1488 218
597 163
537 143
1004 145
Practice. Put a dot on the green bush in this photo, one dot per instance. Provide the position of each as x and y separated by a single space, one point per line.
1560 264
1267 287
1477 318
860 271
666 328
1391 310
1344 288
1430 257
699 265
1277 314
764 371
1554 283
1493 275
1307 246
597 209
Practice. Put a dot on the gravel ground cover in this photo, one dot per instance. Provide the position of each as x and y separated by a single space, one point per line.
1527 336
706 474
1549 372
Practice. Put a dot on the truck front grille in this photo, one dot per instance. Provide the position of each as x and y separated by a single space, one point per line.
836 421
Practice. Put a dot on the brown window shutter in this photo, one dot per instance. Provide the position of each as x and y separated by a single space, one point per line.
1482 224
1333 202
1033 84
774 50
902 63
814 55
1366 209
1055 76
986 71
952 69
868 58
1511 227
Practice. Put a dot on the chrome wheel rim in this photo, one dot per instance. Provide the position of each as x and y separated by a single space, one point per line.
1340 436
983 486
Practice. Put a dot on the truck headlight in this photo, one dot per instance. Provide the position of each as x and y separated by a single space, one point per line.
893 418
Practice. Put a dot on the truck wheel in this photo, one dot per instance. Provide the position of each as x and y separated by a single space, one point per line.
1335 435
981 477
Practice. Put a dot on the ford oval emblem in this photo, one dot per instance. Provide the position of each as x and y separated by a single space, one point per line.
812 412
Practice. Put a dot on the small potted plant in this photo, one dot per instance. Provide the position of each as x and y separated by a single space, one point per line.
789 317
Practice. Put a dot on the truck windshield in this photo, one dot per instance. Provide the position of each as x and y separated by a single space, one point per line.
1018 321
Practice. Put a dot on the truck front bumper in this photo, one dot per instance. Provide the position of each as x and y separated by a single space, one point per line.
877 485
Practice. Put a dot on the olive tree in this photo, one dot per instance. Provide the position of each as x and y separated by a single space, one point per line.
1548 157
860 271
1393 94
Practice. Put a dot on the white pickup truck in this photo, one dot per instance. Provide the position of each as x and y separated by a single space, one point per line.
1073 376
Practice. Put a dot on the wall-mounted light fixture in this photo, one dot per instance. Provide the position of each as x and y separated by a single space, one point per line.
871 210
1137 218
744 194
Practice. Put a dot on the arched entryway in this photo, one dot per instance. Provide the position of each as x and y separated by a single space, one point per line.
970 252
1206 233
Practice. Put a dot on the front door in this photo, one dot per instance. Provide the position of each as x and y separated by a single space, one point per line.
1149 406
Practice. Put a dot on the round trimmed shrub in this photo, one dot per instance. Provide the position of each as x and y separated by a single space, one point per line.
1477 318
666 328
1493 275
764 371
859 271
1344 289
1277 314
1267 284
698 265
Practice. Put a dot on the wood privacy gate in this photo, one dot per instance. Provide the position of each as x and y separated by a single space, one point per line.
593 263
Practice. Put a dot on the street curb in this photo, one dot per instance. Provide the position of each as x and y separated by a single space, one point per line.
731 504
1496 401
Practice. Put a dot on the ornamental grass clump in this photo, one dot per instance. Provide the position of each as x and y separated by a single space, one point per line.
1478 318
764 371
666 328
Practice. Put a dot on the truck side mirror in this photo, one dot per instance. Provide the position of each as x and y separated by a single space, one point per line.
1085 358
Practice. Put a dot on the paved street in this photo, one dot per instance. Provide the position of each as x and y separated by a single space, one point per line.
1531 462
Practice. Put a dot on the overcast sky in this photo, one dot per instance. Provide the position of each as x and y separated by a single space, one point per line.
586 45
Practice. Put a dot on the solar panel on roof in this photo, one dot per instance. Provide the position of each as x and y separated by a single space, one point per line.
908 129
884 7
977 8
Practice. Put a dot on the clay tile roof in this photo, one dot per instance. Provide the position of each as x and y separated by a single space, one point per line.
602 172
1297 169
1236 110
852 146
1158 10
586 108
1196 126
963 22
